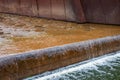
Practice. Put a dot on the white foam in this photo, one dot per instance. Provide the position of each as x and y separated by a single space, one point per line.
91 64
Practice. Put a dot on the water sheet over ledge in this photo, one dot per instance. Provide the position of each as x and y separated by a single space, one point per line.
104 67
14 67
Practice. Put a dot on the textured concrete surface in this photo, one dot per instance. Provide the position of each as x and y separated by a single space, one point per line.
94 11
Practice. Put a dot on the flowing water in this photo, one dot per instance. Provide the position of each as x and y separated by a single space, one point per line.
21 34
106 67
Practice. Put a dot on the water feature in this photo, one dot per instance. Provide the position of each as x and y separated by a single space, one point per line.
23 34
19 66
37 33
106 67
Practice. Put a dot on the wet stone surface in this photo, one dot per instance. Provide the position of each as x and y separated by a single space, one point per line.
20 33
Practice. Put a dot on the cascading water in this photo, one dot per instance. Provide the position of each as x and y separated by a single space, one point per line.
17 35
101 68
19 66
22 34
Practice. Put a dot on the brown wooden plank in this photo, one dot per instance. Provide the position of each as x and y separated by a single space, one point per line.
70 15
93 11
78 11
28 7
111 10
58 9
44 8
